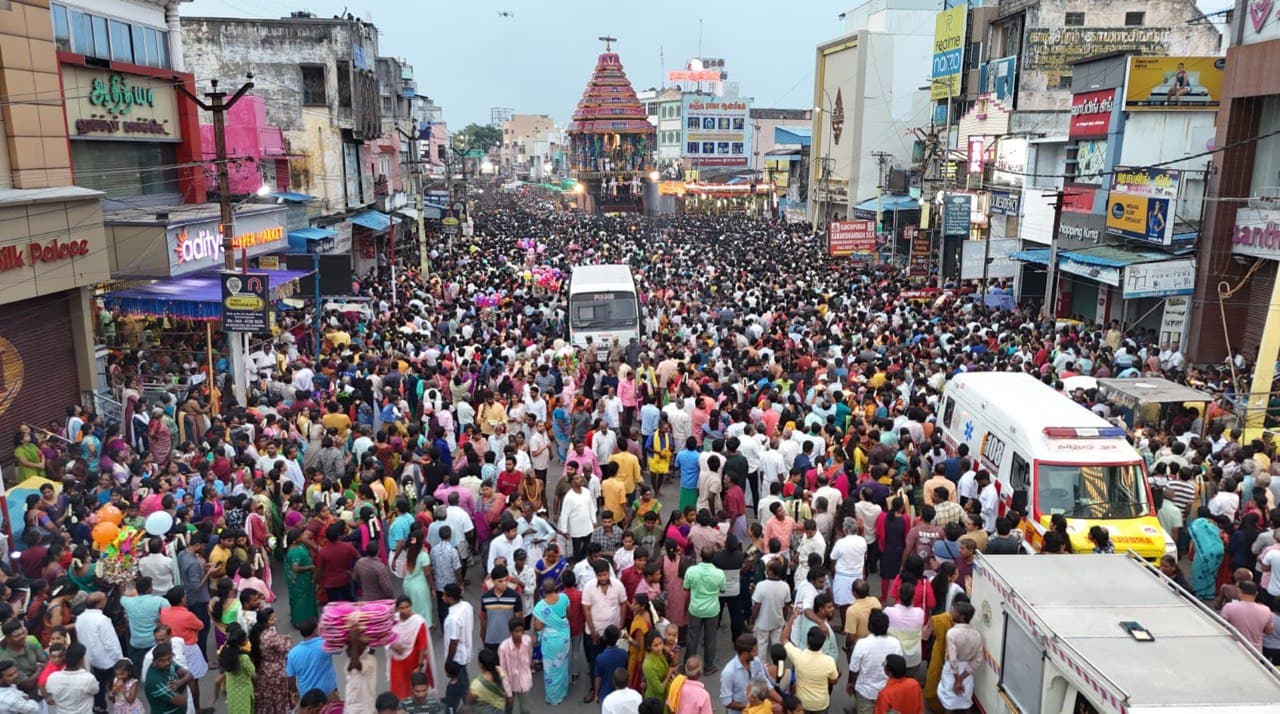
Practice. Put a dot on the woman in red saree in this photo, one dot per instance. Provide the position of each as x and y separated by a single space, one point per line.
411 651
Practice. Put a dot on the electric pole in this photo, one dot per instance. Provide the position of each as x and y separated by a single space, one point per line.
1051 270
218 105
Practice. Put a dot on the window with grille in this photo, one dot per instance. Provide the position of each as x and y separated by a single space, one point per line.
1074 19
313 85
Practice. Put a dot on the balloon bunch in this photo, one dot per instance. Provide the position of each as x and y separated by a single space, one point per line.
375 620
490 299
545 277
119 545
531 245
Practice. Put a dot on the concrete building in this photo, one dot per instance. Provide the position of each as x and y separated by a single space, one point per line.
319 79
764 123
526 140
1240 244
53 248
670 133
866 99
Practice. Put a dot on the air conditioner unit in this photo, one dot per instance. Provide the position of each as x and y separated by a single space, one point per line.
1268 198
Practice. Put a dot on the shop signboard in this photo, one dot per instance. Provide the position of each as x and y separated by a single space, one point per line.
999 265
1105 274
921 256
717 132
1091 161
1011 162
977 158
1256 233
851 237
193 247
106 105
1261 22
246 302
948 51
1091 114
1171 84
1174 321
955 214
1080 230
1163 183
1006 203
1160 279
1143 218
998 78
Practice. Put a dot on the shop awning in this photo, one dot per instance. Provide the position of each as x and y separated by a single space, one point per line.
312 234
432 210
373 220
194 297
889 203
1039 256
300 239
1145 390
295 197
1107 256
801 135
408 212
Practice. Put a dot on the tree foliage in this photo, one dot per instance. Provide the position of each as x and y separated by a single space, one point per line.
475 136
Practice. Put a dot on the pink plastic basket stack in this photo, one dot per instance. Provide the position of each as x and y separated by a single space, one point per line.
375 620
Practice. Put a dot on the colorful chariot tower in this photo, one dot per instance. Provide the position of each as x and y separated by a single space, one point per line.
611 141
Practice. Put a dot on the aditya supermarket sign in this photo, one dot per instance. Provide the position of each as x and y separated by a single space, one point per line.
1256 233
198 246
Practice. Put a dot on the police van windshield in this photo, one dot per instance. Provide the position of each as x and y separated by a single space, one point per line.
1092 490
603 310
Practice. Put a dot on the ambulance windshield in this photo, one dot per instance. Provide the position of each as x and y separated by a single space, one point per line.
1092 491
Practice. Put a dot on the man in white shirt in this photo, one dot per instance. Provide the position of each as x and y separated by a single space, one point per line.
623 699
15 700
989 501
72 690
302 378
577 516
98 634
458 628
158 566
773 467
866 665
849 555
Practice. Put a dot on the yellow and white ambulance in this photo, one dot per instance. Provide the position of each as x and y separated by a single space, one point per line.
1049 455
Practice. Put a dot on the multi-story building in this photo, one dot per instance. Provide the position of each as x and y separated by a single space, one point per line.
765 121
1240 244
522 135
670 132
866 97
53 248
433 134
319 79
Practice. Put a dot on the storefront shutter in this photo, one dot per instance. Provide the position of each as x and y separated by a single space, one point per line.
38 376
1256 318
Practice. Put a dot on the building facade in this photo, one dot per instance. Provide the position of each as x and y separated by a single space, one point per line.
319 80
526 145
53 248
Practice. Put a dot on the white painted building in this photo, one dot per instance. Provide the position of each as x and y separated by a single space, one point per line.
866 99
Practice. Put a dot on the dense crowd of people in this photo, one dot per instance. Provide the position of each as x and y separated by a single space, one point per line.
765 454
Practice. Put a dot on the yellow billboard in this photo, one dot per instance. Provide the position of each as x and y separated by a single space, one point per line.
1141 218
1174 83
948 52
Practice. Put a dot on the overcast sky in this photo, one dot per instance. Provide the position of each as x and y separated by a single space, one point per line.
468 56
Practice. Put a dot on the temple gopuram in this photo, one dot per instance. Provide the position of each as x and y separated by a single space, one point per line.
611 141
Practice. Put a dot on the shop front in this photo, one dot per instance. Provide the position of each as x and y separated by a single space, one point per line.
188 240
52 250
1158 295
132 133
373 235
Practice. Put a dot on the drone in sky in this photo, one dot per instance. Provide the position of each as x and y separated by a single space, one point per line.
506 13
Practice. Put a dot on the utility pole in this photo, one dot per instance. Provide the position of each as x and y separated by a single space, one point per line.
882 158
1051 270
218 105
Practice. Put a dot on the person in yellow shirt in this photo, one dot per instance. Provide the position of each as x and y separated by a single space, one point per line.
490 414
628 467
613 489
337 421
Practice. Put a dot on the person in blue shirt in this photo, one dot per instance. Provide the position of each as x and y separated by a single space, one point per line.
399 528
308 665
688 461
609 659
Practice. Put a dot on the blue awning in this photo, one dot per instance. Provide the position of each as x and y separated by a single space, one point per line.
1111 256
194 297
373 220
801 135
1039 256
312 233
889 203
297 197
300 240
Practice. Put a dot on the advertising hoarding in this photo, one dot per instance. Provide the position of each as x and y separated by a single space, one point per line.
1091 114
850 237
998 78
948 51
245 302
1174 83
716 133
